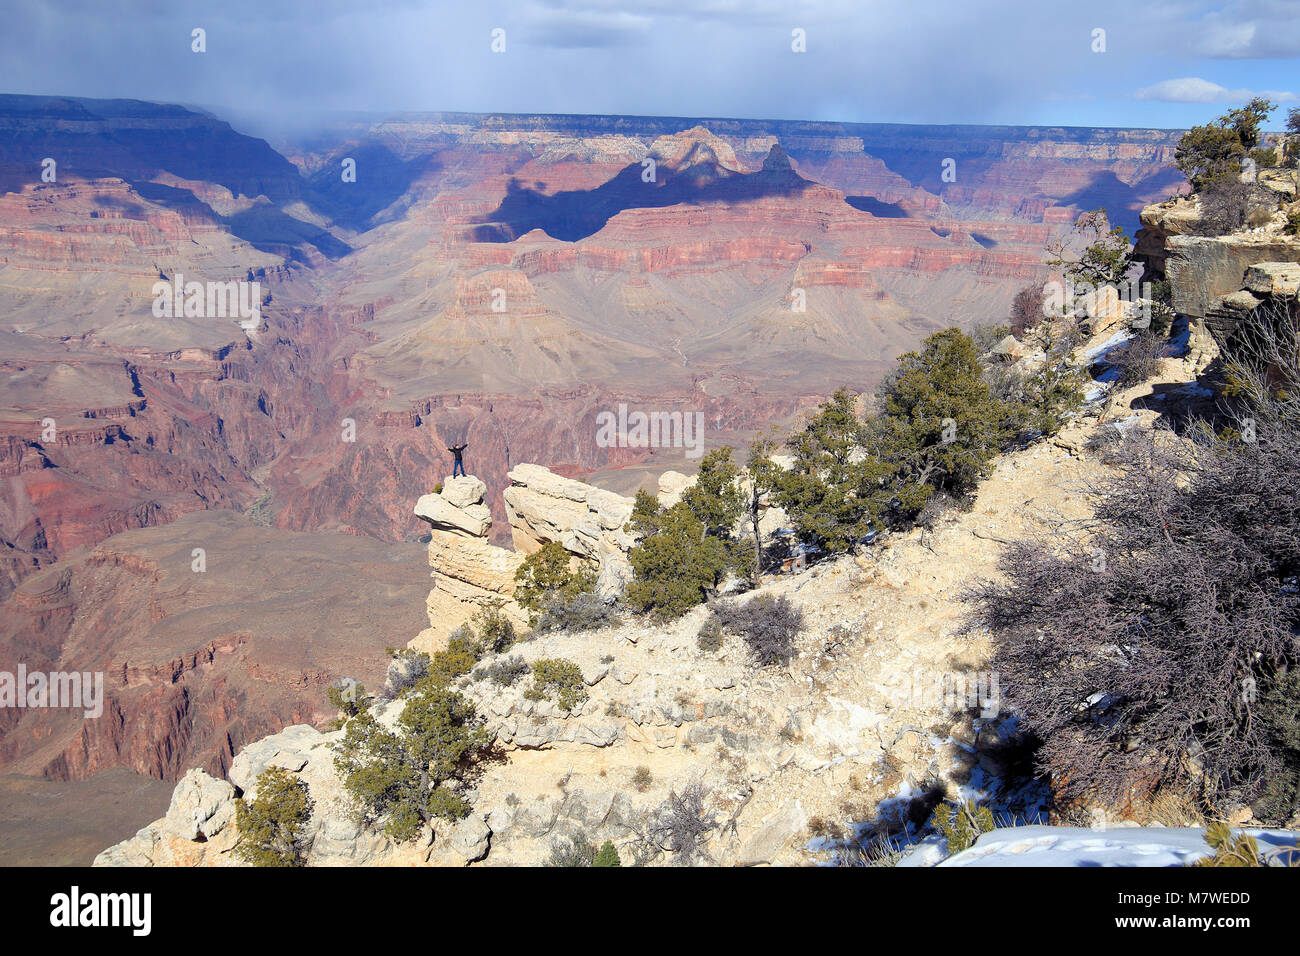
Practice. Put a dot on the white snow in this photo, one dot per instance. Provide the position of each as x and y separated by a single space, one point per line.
1076 846
1099 353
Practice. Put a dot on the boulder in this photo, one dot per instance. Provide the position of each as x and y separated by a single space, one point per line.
1281 279
615 575
588 521
671 486
770 838
292 749
461 843
474 520
463 491
1008 350
201 807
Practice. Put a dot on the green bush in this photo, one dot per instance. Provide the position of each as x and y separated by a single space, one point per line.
686 550
709 639
558 680
272 828
494 631
348 697
642 778
938 428
676 564
607 855
1161 295
457 659
409 777
961 823
547 575
505 672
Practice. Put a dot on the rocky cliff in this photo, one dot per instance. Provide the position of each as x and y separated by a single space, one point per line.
471 574
853 723
1217 281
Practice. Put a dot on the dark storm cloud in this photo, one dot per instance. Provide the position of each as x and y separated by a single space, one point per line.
954 61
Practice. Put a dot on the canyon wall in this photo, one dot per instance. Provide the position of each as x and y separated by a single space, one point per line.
381 341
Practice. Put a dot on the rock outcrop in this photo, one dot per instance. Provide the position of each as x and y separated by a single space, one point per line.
469 573
590 522
198 828
1217 281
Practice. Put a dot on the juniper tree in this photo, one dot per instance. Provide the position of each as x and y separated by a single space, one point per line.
940 424
548 574
832 494
676 564
1213 153
714 498
1106 256
607 855
404 779
273 825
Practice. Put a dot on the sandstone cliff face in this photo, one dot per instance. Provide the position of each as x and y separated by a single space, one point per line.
1217 281
470 574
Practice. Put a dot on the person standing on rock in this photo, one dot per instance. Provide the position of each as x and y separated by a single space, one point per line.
458 466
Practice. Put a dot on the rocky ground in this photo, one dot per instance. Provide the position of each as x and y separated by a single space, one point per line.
782 752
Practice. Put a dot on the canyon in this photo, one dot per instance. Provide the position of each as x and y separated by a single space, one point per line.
491 279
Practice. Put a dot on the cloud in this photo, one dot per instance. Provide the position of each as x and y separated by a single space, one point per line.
1193 89
576 28
948 61
1248 29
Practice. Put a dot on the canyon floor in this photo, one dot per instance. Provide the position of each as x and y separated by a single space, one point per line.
66 823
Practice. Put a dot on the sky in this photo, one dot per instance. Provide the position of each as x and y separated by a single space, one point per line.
282 65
